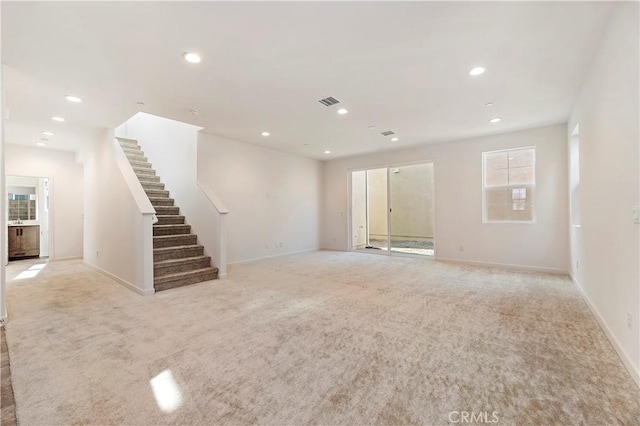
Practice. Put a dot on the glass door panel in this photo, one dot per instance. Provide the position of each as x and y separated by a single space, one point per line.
412 213
377 210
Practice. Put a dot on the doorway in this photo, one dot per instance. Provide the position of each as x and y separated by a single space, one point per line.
27 217
393 210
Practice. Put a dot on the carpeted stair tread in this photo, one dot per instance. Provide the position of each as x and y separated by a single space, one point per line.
140 164
135 157
172 229
185 264
169 219
177 252
174 240
149 179
180 279
157 193
161 201
167 210
152 185
144 172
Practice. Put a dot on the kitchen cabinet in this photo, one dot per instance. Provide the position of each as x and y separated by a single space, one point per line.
24 241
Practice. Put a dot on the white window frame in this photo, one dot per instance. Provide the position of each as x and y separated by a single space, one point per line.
509 186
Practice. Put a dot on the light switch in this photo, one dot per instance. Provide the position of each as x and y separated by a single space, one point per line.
636 214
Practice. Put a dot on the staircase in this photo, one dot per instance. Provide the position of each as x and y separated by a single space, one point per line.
178 260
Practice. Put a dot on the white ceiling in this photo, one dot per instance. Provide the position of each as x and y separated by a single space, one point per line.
397 66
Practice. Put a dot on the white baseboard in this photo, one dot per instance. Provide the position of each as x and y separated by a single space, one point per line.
62 259
506 266
120 280
238 262
633 371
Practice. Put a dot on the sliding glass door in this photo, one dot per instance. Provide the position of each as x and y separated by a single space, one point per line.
412 212
392 210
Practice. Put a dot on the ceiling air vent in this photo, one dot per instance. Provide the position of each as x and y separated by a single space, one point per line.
329 101
388 133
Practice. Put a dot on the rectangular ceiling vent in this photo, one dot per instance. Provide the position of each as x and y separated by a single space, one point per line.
388 133
329 101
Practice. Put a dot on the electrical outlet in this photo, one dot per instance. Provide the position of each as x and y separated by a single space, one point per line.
577 264
267 246
97 254
461 248
636 214
629 319
280 244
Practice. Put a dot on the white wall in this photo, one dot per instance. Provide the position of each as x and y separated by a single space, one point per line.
115 228
172 148
458 200
607 244
66 193
273 197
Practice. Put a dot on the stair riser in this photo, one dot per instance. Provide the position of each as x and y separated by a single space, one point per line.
159 256
137 158
165 210
178 240
186 281
140 164
143 173
129 145
174 230
154 186
181 267
166 202
130 149
157 193
148 179
171 220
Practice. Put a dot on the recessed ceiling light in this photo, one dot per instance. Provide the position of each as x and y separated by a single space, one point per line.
327 152
477 71
54 118
394 139
140 103
194 112
342 111
265 133
47 133
489 104
495 120
73 98
372 127
193 58
41 143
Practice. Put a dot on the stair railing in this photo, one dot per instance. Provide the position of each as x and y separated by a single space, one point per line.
220 256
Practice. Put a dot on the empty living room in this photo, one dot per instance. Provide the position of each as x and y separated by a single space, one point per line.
335 213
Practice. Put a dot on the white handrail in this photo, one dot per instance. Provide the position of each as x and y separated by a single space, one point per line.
213 199
221 249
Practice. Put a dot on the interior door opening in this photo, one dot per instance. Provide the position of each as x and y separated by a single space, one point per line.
27 217
393 210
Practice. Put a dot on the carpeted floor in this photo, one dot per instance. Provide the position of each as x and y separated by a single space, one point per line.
316 338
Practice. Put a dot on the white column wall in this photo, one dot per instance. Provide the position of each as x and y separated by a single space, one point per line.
607 244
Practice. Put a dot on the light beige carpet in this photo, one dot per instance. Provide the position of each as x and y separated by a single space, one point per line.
316 338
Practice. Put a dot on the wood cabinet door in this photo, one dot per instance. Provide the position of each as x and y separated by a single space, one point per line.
31 239
13 235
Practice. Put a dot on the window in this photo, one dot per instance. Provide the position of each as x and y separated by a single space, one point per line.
508 185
